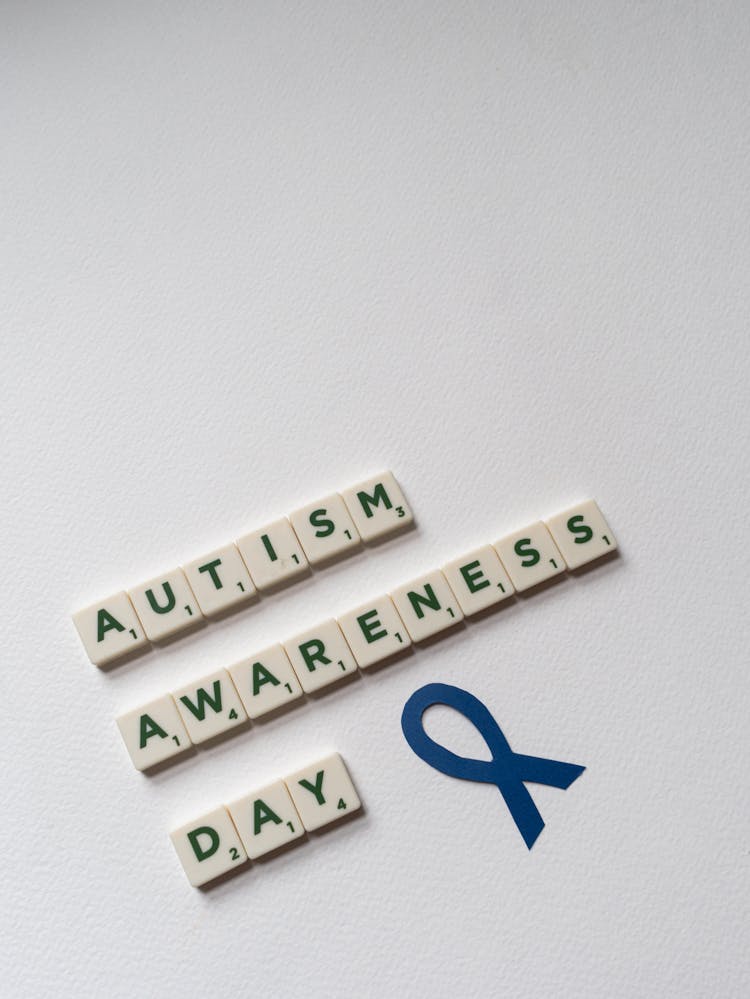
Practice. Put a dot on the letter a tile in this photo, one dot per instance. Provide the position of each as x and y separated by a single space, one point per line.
109 629
153 733
266 819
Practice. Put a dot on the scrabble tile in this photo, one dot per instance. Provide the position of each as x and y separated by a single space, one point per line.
219 580
273 554
265 681
374 631
208 847
530 556
478 580
323 792
582 534
165 605
266 819
153 733
377 506
320 656
427 605
109 629
325 529
209 706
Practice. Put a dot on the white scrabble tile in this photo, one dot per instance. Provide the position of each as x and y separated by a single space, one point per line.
325 529
582 534
165 605
374 631
153 733
266 819
219 580
478 579
427 605
109 629
320 656
208 847
209 706
265 681
273 554
323 792
377 506
530 556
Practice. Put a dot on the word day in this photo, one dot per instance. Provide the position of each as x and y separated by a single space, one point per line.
365 636
263 560
265 820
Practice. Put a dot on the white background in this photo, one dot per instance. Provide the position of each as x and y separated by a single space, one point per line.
253 252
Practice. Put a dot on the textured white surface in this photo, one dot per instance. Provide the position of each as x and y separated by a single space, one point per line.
255 252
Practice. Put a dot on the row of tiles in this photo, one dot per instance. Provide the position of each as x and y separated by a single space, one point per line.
231 575
365 636
265 820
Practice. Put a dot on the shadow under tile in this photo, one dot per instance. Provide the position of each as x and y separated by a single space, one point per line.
546 584
126 660
194 627
285 584
188 753
388 661
284 848
607 559
229 612
346 680
229 875
394 535
280 711
343 820
492 611
426 643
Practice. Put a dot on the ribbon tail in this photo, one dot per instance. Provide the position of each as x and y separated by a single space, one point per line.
554 773
523 810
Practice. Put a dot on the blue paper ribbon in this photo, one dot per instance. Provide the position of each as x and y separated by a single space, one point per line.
507 770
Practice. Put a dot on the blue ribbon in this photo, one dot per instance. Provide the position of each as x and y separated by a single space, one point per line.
507 770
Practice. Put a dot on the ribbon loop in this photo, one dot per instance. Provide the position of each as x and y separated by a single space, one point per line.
507 770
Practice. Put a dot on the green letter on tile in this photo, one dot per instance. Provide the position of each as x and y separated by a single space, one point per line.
369 627
198 850
318 519
430 600
271 552
203 698
262 675
576 525
472 574
523 547
169 593
262 813
312 652
316 788
210 568
149 728
379 495
106 622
